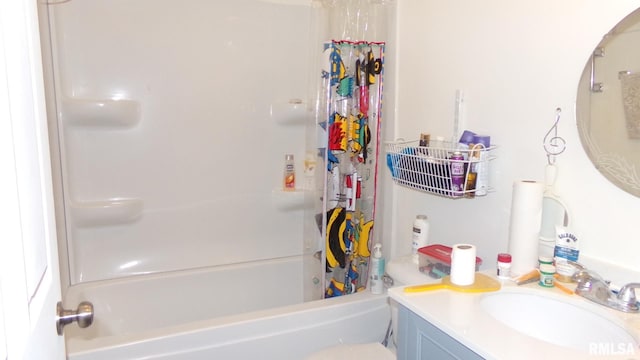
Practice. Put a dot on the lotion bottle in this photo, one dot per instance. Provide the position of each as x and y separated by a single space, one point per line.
419 237
377 270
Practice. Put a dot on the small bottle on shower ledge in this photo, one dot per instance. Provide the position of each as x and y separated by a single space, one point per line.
289 177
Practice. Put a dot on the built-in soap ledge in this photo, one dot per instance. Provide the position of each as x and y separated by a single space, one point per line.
107 212
288 200
292 112
101 113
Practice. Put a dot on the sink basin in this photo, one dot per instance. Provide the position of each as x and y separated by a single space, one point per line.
556 321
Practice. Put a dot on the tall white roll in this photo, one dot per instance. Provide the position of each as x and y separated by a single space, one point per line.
524 228
463 264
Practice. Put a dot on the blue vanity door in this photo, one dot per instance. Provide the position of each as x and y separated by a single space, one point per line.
419 339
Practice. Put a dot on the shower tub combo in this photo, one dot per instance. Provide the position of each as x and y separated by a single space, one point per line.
241 311
185 251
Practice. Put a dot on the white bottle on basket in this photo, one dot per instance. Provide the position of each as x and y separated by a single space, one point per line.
481 167
420 236
437 147
377 270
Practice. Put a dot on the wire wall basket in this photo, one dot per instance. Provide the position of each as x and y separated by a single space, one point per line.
443 170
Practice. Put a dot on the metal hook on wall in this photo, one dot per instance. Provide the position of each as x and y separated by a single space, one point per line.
553 144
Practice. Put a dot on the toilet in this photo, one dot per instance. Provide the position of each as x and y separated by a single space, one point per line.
403 271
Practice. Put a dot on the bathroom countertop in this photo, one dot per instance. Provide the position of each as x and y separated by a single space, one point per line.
461 316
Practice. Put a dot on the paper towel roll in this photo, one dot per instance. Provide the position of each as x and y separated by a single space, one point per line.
524 228
463 264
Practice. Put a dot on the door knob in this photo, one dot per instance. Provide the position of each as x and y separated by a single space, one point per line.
83 315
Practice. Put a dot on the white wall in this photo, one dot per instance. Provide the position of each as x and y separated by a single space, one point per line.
515 62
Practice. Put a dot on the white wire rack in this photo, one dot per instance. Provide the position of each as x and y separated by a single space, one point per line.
428 168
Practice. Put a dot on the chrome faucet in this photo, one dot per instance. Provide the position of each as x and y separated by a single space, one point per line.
593 287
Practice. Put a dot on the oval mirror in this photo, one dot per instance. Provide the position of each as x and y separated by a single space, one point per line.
608 105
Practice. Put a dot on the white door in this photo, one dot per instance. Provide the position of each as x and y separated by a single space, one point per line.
29 274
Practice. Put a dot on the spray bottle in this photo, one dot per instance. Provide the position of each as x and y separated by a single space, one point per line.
377 270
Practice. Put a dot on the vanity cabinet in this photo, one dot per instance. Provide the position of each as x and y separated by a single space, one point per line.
419 339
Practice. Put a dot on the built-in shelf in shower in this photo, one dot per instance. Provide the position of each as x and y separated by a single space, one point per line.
292 112
106 212
101 113
288 200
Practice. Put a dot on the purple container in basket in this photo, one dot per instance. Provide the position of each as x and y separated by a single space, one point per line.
485 140
467 137
457 174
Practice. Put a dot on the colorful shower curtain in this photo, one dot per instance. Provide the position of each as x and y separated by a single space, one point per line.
352 82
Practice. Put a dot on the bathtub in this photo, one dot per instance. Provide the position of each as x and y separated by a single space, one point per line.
244 311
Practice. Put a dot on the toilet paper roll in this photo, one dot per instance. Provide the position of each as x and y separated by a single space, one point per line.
463 264
524 228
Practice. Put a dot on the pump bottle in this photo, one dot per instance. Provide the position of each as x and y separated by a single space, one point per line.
377 270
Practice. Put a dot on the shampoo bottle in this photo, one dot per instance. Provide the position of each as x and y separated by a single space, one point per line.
289 176
377 270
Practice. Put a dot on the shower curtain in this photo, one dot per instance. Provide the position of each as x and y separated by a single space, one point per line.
346 86
352 80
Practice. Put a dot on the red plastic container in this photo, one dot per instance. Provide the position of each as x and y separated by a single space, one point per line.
435 260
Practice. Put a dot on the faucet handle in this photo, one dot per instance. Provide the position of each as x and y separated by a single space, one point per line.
627 294
584 280
581 275
587 279
579 271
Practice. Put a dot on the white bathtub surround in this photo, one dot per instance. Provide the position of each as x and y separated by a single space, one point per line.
172 128
138 304
241 312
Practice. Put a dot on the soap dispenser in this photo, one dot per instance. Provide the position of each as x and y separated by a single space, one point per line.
377 270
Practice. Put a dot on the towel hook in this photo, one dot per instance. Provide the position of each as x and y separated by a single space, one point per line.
553 144
594 86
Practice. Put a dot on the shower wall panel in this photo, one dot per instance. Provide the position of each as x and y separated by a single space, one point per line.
174 118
